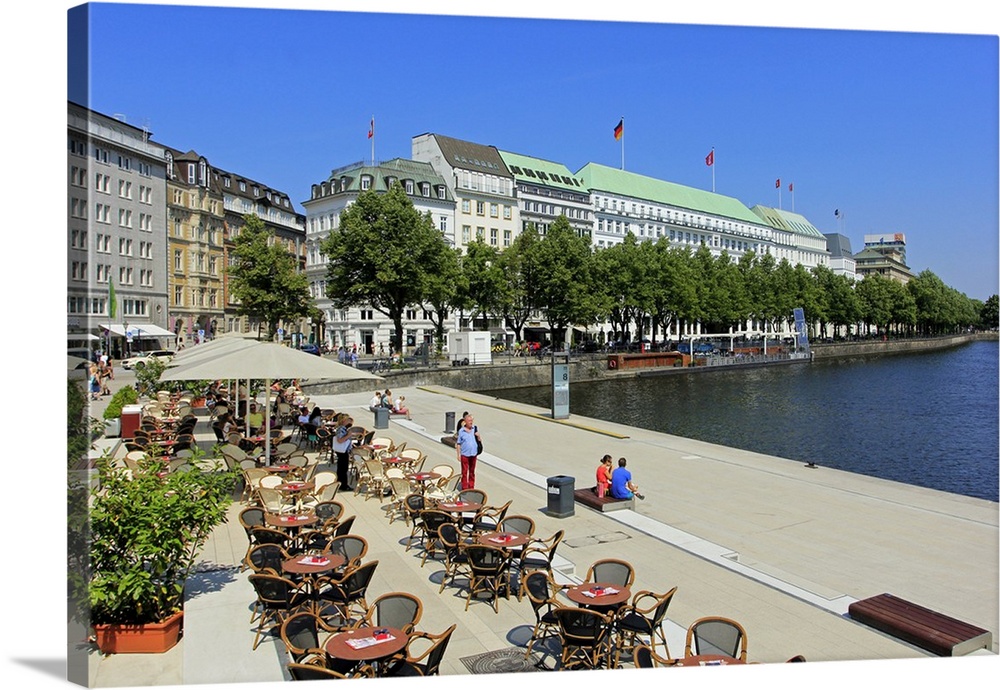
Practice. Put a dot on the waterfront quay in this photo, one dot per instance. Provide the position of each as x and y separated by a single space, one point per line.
780 547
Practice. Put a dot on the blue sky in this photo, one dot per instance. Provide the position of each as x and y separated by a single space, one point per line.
896 130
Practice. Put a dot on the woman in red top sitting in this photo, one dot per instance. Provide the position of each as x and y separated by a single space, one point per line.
603 476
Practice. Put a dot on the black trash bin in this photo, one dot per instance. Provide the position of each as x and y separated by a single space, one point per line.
381 417
560 490
449 422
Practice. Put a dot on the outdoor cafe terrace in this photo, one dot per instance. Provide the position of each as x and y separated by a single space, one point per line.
788 594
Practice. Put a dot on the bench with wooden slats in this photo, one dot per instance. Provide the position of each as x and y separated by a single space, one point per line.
920 626
589 498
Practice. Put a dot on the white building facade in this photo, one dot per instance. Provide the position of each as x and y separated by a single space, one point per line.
362 327
481 185
116 192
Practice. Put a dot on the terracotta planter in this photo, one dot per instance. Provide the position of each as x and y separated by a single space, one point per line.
148 638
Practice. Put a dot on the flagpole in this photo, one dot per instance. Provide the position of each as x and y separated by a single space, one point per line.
373 140
713 170
623 142
791 190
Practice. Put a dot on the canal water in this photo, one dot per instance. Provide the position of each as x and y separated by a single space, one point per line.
928 419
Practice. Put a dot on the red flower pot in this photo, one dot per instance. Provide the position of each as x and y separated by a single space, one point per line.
147 638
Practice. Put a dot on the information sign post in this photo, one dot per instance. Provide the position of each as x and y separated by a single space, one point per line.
560 386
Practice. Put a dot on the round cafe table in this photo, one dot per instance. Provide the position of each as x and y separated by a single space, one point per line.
339 645
601 600
458 506
290 521
296 487
311 566
295 490
707 660
422 478
503 540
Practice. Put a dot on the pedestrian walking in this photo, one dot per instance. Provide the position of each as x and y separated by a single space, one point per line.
95 382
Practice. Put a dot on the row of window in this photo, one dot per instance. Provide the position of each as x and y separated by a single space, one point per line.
79 271
469 179
201 262
102 184
571 212
200 297
98 306
109 157
494 236
196 201
481 209
103 244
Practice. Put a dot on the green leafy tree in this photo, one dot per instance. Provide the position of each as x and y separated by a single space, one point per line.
483 281
731 291
519 264
564 266
841 303
380 256
989 313
875 301
675 297
615 271
444 282
264 278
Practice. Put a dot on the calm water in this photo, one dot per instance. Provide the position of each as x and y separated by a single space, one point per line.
926 419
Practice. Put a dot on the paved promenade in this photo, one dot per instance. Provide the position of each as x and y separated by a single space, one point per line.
782 548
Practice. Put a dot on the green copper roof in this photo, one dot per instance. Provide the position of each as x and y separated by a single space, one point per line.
602 178
786 220
348 177
540 171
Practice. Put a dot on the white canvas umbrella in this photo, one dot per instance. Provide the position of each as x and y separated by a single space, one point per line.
266 361
214 347
211 350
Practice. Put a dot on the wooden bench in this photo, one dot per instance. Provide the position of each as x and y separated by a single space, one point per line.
930 630
588 497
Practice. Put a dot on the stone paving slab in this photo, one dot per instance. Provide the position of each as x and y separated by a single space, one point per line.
780 548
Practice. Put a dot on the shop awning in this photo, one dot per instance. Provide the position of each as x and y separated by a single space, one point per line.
137 330
81 336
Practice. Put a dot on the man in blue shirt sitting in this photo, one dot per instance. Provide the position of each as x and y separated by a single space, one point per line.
621 482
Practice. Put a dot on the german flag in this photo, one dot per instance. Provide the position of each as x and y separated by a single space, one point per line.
619 129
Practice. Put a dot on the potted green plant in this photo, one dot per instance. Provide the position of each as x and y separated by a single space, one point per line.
146 530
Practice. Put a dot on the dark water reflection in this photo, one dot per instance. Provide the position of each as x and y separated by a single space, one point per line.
927 419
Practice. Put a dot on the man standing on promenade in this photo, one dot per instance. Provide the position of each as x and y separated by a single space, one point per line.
621 482
467 446
343 441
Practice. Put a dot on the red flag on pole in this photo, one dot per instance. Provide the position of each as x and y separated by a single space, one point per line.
777 183
371 129
619 129
789 186
710 158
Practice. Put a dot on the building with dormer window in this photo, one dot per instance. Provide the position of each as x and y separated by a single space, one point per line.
481 184
362 326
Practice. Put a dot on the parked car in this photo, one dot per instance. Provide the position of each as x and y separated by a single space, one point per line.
311 348
141 359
